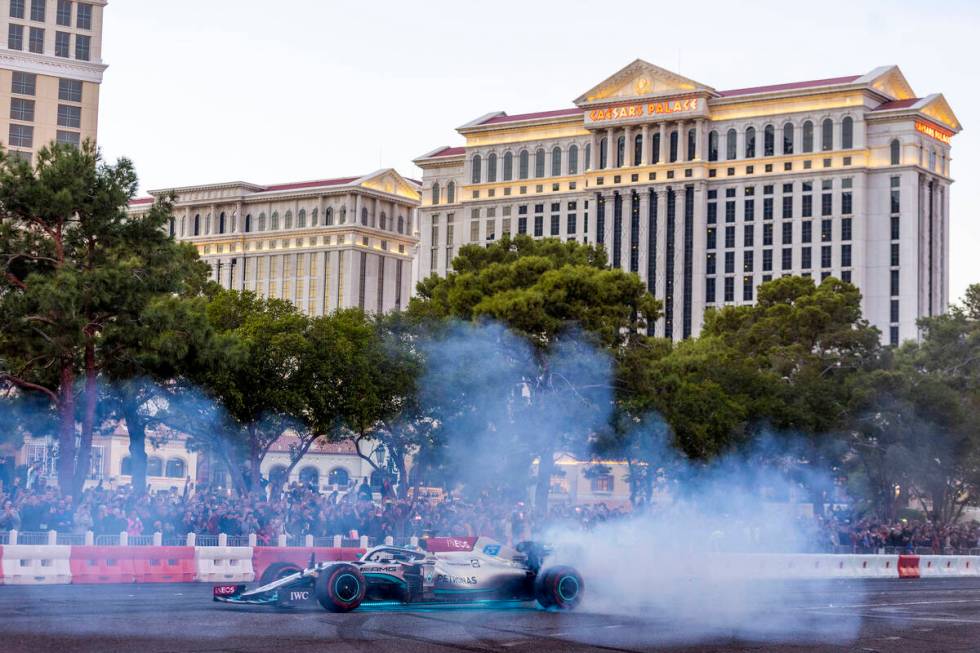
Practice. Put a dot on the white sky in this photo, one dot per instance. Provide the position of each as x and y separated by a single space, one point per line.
218 90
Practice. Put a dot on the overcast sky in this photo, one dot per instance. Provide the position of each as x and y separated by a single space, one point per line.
204 91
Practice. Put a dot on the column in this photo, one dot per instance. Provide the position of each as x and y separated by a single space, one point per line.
681 141
660 290
627 227
740 143
628 147
645 150
644 235
594 158
699 140
610 148
698 269
609 200
663 143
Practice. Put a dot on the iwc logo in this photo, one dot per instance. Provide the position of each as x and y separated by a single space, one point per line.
642 86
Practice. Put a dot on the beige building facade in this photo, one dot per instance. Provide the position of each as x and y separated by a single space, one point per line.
322 245
50 72
706 194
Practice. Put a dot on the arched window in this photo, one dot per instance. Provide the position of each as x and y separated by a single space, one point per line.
827 135
310 476
364 213
731 145
261 221
451 192
477 164
248 223
301 219
539 163
788 138
896 152
221 223
176 468
377 480
712 145
384 220
556 162
673 146
154 466
197 224
655 152
807 136
275 221
401 224
692 142
288 220
315 217
343 214
173 227
750 143
524 164
328 217
126 467
573 160
508 166
932 159
847 133
603 149
638 149
338 476
620 151
492 167
768 140
183 226
435 193
277 475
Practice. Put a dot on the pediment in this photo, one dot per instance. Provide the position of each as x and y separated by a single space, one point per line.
937 108
640 79
892 82
389 181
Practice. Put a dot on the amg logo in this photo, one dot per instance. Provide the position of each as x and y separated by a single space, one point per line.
299 596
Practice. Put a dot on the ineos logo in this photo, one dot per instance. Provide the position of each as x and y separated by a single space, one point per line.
299 596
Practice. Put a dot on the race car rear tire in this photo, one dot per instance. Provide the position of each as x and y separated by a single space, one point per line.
559 587
277 571
340 588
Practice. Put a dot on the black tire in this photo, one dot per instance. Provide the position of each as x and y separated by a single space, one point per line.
559 587
340 588
277 571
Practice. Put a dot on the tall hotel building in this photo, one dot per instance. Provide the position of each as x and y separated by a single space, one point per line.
706 194
322 245
50 72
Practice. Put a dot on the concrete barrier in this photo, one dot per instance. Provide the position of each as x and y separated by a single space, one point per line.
221 564
36 565
102 565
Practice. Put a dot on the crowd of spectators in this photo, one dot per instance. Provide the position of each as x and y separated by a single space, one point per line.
299 510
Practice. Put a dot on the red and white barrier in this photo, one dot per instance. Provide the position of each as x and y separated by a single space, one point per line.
36 565
223 564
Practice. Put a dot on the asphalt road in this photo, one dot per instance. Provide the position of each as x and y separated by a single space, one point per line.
881 615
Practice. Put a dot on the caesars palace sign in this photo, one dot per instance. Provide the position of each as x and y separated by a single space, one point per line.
645 110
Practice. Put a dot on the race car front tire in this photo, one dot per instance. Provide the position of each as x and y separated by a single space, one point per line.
277 571
340 588
559 587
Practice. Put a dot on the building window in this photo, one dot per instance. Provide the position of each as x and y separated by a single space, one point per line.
36 44
620 151
64 13
450 197
896 195
508 166
84 20
69 116
17 8
21 136
747 288
750 143
896 152
692 136
573 160
556 162
712 146
655 148
539 163
769 140
37 10
602 483
807 136
731 145
673 146
176 468
435 193
83 46
729 289
477 172
524 164
15 37
847 133
845 256
492 168
603 156
21 109
894 283
70 138
638 149
827 135
154 467
62 44
788 138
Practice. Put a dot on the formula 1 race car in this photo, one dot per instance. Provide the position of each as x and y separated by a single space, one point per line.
448 570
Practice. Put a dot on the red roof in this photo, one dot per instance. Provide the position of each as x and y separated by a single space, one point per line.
789 87
449 151
141 200
897 104
531 116
312 184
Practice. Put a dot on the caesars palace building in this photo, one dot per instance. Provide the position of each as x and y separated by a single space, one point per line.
706 194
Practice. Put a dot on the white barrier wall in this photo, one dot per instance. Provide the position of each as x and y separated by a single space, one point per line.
36 565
